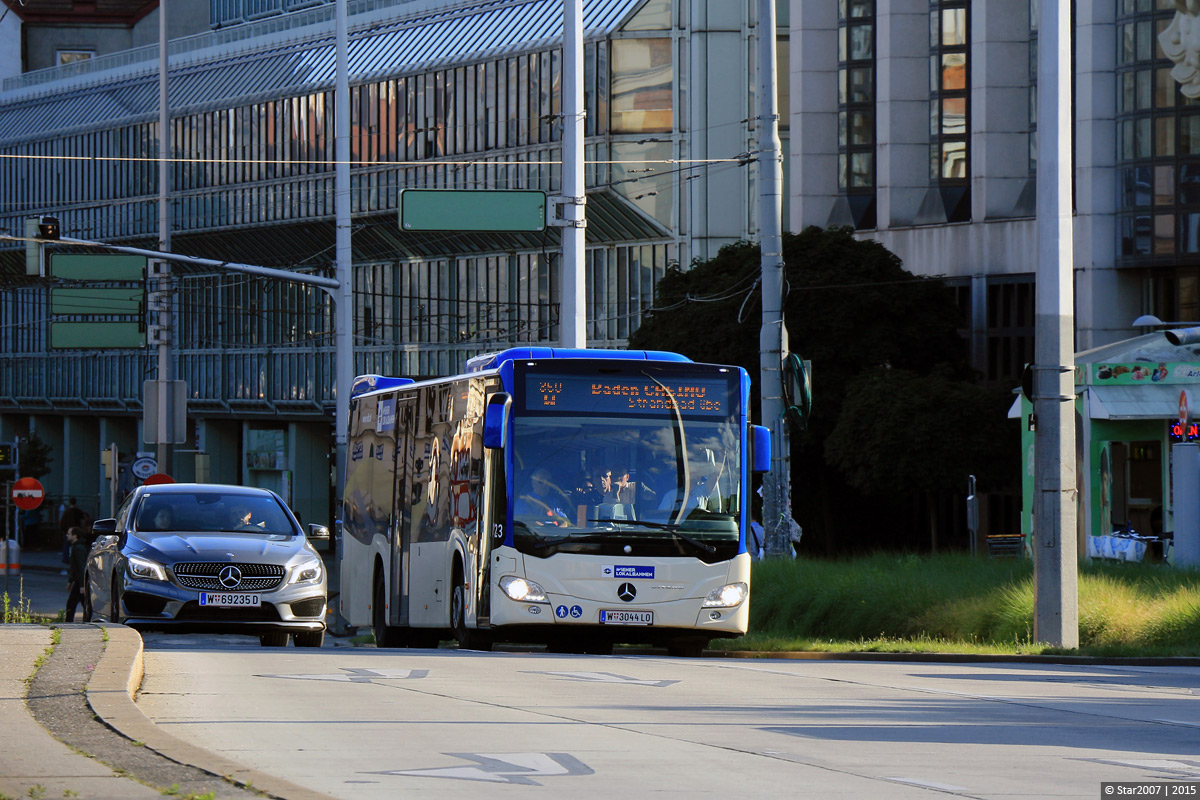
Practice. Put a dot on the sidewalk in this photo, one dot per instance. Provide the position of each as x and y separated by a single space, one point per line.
49 725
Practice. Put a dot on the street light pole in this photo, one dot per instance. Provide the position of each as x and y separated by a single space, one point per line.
344 311
777 488
1056 591
161 300
573 325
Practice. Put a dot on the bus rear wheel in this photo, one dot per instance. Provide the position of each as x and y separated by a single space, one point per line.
467 638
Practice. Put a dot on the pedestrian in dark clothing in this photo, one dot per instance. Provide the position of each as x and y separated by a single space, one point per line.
77 580
72 517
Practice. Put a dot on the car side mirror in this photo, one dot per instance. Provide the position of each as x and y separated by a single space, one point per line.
104 526
318 533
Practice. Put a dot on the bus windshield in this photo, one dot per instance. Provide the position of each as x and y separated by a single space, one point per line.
661 484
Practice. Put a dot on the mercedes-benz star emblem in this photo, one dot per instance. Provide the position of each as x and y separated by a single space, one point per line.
626 592
230 576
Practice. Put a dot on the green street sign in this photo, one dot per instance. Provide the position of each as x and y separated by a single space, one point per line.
96 335
80 300
468 210
97 267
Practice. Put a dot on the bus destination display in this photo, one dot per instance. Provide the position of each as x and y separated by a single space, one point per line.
625 395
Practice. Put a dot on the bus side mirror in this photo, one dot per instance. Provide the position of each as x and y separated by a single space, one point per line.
762 448
495 420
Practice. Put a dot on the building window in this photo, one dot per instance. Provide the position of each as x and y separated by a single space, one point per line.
642 79
1158 146
71 56
949 105
856 108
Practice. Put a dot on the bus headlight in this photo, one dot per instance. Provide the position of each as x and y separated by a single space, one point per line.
523 591
728 596
146 569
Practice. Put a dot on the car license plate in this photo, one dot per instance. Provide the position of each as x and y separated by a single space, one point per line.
229 600
621 616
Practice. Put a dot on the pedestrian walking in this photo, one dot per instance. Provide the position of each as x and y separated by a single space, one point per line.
77 576
71 516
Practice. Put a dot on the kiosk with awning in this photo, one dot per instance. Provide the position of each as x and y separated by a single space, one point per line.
1127 417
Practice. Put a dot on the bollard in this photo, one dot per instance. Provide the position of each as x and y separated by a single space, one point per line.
10 557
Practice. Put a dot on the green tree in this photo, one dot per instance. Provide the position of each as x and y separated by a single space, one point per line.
851 308
33 459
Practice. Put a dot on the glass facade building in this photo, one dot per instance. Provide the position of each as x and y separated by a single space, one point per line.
443 95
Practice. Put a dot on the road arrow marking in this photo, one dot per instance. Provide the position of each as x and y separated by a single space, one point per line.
519 768
359 675
605 677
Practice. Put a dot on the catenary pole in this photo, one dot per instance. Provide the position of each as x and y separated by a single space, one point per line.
164 436
777 505
1056 598
573 324
343 333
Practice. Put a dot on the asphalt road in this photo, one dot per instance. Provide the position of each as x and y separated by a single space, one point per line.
361 723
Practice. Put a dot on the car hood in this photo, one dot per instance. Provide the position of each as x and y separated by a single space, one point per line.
172 547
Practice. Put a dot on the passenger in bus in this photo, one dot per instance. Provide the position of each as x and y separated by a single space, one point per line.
543 502
586 493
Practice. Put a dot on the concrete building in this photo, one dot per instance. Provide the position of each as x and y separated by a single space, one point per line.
918 127
461 95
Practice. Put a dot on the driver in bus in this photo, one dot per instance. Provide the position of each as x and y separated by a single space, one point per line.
544 502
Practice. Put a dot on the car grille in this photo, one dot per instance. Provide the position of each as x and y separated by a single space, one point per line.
205 576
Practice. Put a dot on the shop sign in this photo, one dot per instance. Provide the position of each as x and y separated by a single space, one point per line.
1162 372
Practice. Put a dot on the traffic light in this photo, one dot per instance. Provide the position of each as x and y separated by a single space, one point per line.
7 456
48 228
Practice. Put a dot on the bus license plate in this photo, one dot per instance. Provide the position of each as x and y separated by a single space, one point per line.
621 616
230 600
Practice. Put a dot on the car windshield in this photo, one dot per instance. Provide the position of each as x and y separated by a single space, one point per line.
212 511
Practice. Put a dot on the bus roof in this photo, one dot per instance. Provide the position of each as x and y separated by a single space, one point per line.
489 361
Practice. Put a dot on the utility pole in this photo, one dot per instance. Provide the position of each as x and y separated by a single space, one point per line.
573 324
344 312
160 300
1055 559
777 484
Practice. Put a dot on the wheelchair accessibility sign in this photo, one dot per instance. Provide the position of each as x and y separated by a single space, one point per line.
562 612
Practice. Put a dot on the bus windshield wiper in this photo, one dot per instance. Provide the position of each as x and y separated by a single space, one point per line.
670 527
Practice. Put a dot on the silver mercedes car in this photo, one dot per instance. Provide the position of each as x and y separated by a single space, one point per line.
208 557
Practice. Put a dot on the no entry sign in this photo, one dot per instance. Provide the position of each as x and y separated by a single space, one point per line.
28 493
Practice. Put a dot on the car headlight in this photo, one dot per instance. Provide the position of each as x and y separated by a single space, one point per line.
523 591
727 596
145 569
309 571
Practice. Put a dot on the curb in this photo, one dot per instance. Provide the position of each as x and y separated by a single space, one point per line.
110 692
963 658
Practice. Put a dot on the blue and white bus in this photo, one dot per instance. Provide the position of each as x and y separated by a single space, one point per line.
576 498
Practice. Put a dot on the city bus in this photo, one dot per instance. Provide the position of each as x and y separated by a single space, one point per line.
575 498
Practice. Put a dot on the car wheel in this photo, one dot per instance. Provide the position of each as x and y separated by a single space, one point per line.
274 639
468 639
308 638
114 601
